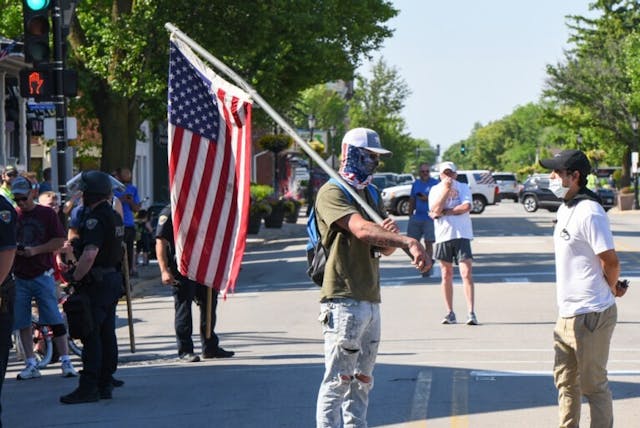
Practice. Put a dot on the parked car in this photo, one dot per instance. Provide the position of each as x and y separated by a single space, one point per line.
396 199
405 178
385 179
507 185
483 190
535 194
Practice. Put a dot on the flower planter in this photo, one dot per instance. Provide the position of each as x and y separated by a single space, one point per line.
254 224
292 215
276 218
625 201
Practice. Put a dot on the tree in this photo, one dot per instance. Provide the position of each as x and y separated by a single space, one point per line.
377 103
593 87
120 49
329 109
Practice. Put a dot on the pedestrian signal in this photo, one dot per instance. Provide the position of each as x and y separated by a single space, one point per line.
36 83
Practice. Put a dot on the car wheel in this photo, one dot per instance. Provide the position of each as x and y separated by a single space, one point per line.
402 207
530 204
478 204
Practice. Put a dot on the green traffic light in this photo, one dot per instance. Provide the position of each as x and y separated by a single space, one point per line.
37 5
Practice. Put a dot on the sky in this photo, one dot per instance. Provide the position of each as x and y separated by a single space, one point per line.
470 61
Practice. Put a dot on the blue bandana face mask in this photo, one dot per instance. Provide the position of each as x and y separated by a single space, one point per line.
359 166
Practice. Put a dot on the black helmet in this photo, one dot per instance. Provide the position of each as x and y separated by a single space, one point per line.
96 182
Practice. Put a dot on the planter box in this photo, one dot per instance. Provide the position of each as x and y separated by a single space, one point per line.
625 201
254 224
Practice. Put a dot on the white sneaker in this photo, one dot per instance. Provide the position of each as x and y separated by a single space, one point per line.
68 370
29 372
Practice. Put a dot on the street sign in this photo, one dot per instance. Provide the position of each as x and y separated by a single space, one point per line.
50 128
41 106
634 162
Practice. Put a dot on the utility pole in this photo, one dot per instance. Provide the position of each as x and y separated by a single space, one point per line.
59 100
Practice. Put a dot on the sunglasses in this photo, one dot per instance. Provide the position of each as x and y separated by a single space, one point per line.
20 199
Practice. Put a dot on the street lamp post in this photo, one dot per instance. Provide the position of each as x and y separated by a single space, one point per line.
634 125
332 134
579 141
311 121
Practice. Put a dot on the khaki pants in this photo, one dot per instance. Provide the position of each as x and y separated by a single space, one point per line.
581 346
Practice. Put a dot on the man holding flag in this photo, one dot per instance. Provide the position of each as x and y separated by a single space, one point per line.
185 292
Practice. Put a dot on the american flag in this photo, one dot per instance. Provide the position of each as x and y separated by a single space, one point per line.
209 169
7 50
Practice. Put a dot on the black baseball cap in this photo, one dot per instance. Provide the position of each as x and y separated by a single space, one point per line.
573 160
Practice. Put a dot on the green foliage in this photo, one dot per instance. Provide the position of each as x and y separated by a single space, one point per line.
377 103
275 142
595 89
120 49
260 194
260 191
329 109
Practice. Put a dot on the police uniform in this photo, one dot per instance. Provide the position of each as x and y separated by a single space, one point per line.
185 292
7 288
102 228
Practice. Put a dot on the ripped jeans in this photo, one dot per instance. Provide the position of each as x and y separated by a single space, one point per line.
351 331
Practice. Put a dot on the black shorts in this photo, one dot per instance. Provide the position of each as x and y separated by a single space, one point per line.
454 250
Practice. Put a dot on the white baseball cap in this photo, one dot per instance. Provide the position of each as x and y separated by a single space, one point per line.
447 165
366 138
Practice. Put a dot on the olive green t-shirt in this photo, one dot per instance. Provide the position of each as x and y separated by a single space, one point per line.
352 270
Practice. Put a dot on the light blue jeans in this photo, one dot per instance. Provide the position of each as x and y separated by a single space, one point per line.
351 331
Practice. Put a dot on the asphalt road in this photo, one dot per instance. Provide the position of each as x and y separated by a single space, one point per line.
497 374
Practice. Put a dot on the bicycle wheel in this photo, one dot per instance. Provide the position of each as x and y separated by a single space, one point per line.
42 345
75 346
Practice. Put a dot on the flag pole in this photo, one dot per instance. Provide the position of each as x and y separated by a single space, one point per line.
275 116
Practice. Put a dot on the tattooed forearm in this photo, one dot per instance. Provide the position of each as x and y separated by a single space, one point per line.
379 237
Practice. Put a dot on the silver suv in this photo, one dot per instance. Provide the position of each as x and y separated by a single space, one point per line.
507 185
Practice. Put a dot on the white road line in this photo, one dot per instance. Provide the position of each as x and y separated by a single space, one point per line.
420 401
525 373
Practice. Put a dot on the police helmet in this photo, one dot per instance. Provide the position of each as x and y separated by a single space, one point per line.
95 182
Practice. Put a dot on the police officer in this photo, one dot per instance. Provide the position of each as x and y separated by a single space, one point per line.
98 276
7 289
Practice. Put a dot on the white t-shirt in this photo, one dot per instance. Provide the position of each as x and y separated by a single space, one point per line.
581 286
450 227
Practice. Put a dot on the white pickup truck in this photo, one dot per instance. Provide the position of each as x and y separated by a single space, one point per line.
483 189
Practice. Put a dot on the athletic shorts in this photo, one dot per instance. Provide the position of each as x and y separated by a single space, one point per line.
453 250
421 229
43 289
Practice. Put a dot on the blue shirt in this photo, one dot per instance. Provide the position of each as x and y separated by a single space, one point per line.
422 206
127 214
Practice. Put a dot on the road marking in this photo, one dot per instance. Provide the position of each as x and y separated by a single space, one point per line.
460 399
488 374
420 401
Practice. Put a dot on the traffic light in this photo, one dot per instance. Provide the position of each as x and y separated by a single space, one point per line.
463 149
35 14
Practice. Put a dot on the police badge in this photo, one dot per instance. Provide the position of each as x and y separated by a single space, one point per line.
5 216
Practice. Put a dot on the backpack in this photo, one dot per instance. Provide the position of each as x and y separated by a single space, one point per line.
317 254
